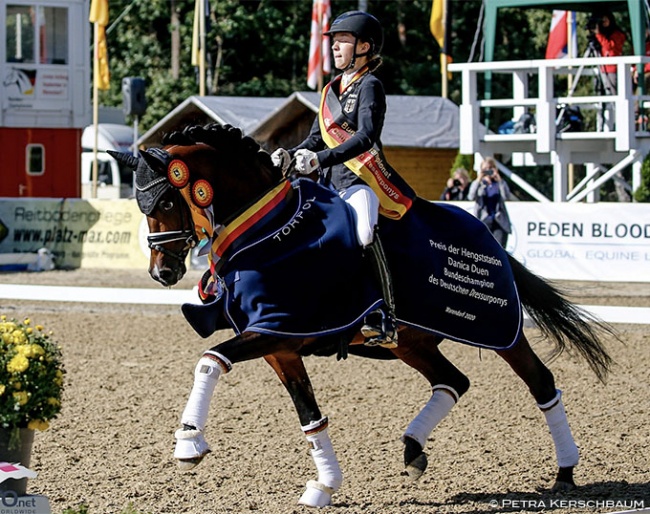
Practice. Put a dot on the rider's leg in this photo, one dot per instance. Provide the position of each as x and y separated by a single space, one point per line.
379 327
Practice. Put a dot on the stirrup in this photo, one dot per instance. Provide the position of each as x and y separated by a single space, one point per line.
382 334
190 448
373 324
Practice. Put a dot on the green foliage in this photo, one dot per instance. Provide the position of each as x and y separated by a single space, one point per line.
462 161
642 194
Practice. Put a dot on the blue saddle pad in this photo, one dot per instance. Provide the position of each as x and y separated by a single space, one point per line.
451 276
304 275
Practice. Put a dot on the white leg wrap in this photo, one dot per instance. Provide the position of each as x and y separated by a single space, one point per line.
566 450
206 375
441 402
330 476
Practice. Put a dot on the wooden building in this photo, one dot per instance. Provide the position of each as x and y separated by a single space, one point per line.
420 137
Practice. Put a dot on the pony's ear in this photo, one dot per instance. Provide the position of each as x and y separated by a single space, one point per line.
157 159
124 158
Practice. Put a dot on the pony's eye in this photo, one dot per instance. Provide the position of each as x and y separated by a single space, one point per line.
166 205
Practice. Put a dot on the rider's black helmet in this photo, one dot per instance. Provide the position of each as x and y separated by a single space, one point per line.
363 26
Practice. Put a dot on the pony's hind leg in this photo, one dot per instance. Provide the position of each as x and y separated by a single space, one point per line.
420 351
539 379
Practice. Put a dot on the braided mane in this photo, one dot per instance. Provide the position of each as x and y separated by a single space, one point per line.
226 139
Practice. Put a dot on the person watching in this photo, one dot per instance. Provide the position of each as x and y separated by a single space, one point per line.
489 193
457 184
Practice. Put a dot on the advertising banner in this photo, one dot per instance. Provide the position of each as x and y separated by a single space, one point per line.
602 242
80 233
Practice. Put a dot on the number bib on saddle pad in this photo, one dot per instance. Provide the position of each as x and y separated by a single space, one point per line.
451 276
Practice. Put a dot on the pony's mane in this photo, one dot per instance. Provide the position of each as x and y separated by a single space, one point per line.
224 138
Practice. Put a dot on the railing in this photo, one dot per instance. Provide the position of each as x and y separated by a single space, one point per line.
539 87
476 105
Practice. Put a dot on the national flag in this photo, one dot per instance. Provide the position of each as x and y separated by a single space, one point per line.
557 46
319 47
196 31
99 16
440 26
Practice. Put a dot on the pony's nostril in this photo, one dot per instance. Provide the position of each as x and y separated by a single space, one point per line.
167 277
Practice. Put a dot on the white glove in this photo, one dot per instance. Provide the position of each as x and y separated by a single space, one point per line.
306 161
281 159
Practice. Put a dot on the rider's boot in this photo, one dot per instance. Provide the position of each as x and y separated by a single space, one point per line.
380 326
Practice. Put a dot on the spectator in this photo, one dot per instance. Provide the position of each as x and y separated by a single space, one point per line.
609 39
457 184
490 192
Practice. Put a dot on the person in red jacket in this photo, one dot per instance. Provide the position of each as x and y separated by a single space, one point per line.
610 40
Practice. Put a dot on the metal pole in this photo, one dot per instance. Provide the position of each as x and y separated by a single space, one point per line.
93 188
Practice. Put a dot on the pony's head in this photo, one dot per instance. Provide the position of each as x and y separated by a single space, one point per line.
206 173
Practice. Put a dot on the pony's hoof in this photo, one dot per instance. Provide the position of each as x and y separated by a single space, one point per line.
188 464
564 481
562 487
316 495
190 449
416 468
415 460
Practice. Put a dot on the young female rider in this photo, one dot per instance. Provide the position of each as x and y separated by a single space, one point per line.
344 145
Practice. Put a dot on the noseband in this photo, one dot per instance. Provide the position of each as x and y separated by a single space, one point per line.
157 240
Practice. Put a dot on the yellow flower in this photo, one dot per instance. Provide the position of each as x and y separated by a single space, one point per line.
18 364
30 350
38 424
19 336
39 328
27 321
2 389
21 397
54 402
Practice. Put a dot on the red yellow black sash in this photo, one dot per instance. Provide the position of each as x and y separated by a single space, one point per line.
264 209
395 195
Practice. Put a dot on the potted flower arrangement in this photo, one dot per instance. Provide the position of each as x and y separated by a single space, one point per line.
31 384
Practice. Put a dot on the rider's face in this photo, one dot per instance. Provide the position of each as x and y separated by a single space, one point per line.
343 49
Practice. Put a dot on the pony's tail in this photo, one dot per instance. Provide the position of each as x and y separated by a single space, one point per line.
567 325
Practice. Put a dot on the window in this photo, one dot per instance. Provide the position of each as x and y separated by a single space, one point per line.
37 34
35 161
20 33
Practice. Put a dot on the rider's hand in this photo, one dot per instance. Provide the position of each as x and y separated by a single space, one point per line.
281 159
306 161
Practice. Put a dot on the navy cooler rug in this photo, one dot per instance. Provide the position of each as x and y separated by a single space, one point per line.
451 276
304 275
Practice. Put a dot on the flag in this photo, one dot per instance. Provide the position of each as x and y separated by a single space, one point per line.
557 46
440 25
196 32
319 47
99 16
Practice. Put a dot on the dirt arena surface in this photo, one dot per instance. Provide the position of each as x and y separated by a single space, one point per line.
130 369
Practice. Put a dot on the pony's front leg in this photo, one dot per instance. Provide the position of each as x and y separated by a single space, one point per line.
292 373
191 446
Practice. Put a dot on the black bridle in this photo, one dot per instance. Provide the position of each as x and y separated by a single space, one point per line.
186 233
